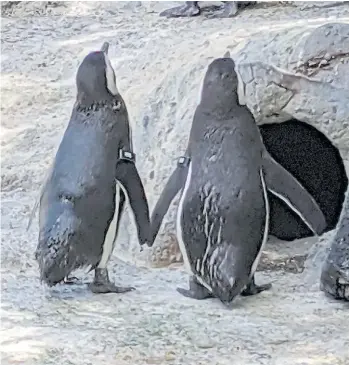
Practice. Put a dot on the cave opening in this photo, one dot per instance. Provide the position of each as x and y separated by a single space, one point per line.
311 157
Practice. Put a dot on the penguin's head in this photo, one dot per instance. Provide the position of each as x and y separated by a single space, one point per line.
95 79
220 82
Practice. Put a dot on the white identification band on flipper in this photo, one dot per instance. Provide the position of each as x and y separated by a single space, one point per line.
110 76
266 226
110 237
293 208
181 243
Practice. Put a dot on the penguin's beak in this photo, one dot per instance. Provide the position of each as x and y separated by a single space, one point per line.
105 47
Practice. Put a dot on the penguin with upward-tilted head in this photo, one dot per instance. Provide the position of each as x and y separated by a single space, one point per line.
223 213
92 176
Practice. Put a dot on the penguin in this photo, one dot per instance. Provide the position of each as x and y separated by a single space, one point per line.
223 213
92 178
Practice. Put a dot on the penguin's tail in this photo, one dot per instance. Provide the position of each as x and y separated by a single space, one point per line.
56 252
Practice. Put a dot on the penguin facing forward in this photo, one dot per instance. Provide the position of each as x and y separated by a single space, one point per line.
92 177
223 212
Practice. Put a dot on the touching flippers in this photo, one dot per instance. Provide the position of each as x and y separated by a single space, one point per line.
132 186
174 184
283 185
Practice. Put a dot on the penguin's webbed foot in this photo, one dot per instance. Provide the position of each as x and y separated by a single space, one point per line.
252 288
103 288
196 290
228 10
101 284
188 10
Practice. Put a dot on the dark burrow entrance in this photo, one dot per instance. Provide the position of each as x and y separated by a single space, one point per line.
307 154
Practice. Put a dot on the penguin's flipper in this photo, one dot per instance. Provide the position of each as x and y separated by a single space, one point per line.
174 184
287 188
131 184
252 288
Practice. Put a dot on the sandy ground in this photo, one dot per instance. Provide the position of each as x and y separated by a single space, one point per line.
294 323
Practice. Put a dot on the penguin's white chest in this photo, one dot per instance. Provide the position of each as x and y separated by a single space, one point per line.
110 237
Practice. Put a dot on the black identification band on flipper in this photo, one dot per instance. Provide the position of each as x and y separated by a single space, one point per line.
127 156
183 161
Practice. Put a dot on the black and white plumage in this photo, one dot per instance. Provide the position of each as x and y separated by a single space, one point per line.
223 213
92 176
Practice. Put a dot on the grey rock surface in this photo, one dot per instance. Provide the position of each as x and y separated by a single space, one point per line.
159 64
